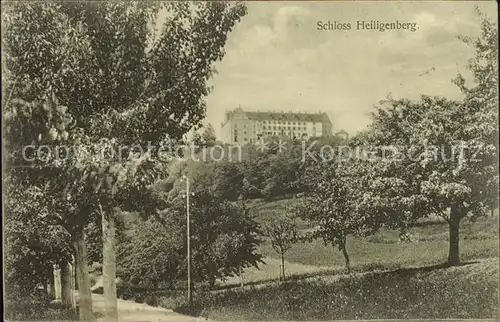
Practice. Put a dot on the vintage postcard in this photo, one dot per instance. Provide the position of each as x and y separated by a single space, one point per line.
250 161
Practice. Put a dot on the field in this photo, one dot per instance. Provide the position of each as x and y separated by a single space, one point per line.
383 250
429 246
469 291
390 279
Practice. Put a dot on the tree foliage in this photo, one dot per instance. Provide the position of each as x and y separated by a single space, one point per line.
335 200
224 237
444 153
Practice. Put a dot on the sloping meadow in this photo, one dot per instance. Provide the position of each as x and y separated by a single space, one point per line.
467 291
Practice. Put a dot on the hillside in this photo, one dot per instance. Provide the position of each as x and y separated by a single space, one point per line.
432 292
392 279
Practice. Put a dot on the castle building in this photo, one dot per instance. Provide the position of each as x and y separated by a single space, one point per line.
240 126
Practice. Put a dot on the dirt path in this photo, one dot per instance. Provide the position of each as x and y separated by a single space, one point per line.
129 311
270 272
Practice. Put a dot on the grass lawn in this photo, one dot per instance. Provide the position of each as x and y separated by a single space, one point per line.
469 291
267 210
363 252
429 245
382 251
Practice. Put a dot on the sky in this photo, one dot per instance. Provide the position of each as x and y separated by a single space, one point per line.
277 59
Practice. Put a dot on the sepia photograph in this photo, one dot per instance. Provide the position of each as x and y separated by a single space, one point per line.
170 161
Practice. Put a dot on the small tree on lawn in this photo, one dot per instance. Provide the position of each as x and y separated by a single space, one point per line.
334 201
282 233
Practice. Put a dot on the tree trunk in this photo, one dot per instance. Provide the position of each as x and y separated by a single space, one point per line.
73 282
51 290
66 285
454 240
57 283
283 265
109 265
241 277
343 245
211 282
82 275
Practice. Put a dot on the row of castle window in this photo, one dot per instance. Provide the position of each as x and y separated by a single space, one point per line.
278 123
291 134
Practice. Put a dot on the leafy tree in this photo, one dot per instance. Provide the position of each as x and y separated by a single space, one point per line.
335 200
224 237
33 244
481 99
271 169
451 174
443 155
207 136
151 255
228 180
283 233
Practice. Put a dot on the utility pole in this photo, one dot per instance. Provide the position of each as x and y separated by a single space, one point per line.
188 242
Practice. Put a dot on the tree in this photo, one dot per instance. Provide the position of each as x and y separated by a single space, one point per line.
481 99
208 138
33 245
451 174
224 238
443 155
83 60
151 255
335 199
283 233
228 180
